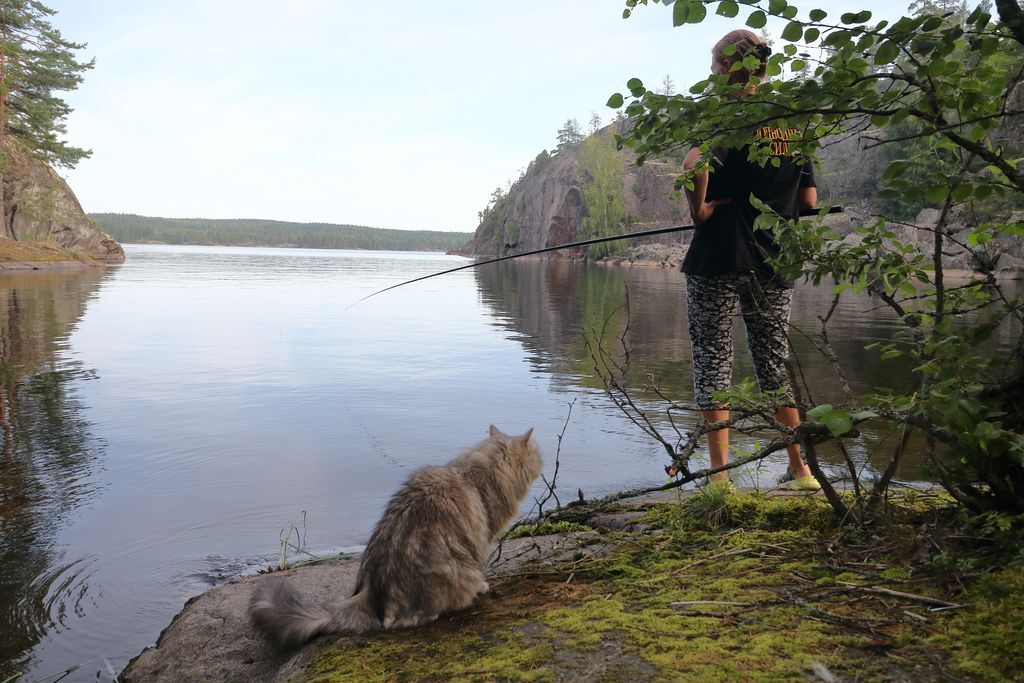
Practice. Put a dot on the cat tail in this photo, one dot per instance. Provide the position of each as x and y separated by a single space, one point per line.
280 613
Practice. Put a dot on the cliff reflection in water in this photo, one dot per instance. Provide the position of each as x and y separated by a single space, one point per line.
48 456
551 305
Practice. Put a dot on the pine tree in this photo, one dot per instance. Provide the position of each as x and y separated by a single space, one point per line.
569 135
920 7
35 63
668 86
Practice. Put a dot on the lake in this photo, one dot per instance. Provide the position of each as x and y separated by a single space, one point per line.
167 420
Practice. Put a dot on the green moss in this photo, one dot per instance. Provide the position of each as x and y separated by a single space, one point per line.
393 657
757 600
895 574
986 638
546 529
849 577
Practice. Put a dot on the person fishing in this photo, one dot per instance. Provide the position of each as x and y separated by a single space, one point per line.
727 265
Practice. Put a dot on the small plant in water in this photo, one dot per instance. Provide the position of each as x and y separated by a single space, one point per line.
285 541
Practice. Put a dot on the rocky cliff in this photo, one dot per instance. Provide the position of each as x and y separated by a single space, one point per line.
40 209
545 206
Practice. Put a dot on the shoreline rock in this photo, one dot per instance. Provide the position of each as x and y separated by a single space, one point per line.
26 256
29 266
43 213
211 638
666 587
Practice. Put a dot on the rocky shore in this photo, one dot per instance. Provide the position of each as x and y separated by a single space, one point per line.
44 225
19 256
707 587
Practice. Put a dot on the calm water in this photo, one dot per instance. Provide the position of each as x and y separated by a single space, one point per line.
164 420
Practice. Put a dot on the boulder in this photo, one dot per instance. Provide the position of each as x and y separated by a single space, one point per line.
39 206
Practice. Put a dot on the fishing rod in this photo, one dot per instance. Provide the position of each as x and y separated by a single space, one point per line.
570 245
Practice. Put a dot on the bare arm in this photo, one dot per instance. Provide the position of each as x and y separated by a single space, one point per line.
807 198
700 209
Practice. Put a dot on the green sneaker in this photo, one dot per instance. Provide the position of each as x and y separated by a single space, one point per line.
808 483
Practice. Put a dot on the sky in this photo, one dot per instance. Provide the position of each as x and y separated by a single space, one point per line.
402 114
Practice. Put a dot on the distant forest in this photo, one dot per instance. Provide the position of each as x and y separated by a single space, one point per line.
252 232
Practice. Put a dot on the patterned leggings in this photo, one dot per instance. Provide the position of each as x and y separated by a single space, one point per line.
711 303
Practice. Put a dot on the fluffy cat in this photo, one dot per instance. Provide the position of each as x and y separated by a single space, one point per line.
426 555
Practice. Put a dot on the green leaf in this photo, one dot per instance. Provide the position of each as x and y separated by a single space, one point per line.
895 170
811 35
728 8
855 17
818 411
615 101
838 422
864 415
817 14
793 32
962 192
891 353
757 19
887 52
937 193
696 13
634 83
776 6
680 12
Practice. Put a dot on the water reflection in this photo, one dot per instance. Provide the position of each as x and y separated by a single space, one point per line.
48 457
554 306
238 390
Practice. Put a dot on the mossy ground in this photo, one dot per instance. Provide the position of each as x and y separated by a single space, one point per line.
34 252
730 587
546 528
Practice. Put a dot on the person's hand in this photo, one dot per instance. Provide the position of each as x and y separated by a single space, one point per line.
706 210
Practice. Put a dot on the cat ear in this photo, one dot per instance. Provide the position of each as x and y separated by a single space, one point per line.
525 438
496 433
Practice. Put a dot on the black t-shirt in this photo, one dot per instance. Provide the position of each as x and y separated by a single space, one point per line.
727 242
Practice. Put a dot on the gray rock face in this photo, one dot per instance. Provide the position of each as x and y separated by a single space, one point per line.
40 207
545 206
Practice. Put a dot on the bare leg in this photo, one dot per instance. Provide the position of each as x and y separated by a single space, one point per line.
791 416
718 443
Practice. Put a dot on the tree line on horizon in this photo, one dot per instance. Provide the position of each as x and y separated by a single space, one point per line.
132 228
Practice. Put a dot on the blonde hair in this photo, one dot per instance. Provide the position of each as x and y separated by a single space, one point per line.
746 43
